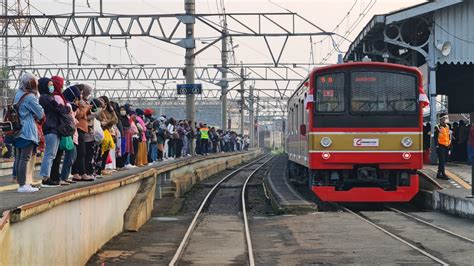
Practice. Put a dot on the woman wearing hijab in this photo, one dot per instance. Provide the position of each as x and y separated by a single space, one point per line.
133 145
69 156
108 121
116 154
126 146
53 111
93 145
82 111
27 139
142 153
69 98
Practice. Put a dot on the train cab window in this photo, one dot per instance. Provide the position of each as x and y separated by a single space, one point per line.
383 92
329 93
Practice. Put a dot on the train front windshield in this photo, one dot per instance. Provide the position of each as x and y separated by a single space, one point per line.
383 92
380 98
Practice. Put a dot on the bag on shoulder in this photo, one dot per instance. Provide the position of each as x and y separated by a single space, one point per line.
108 142
11 124
66 143
67 127
98 132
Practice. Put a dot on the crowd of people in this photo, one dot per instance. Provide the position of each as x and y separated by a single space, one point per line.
82 138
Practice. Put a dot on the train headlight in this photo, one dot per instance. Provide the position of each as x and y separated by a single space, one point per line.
407 142
326 142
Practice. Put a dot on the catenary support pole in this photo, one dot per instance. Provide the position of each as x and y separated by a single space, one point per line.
5 59
224 83
189 7
471 121
251 118
432 94
257 124
242 86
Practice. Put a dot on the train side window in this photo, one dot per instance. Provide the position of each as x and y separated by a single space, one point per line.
297 118
290 121
294 118
303 110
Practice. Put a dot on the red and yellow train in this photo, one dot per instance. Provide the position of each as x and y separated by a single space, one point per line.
354 132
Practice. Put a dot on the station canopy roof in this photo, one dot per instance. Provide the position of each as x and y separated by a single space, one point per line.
405 37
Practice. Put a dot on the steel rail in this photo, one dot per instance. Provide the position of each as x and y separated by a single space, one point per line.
431 256
179 252
244 212
431 225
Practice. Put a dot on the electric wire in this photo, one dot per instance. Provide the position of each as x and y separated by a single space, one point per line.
349 31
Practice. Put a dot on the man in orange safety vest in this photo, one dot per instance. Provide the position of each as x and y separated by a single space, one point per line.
443 142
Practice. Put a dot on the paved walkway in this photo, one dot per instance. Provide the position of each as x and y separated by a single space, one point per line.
459 174
10 199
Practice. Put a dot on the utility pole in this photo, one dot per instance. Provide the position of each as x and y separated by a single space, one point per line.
224 83
258 127
251 118
5 88
189 7
242 84
67 59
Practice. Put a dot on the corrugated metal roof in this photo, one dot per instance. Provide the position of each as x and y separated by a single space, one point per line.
456 25
375 25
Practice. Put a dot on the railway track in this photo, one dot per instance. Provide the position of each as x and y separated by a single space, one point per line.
236 180
386 223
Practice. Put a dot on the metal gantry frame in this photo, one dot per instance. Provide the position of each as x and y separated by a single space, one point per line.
208 74
166 28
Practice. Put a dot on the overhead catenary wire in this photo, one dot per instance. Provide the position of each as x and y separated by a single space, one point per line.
349 31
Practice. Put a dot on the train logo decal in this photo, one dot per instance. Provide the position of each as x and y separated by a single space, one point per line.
358 142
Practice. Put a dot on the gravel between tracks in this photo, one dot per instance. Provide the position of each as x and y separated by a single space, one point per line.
258 204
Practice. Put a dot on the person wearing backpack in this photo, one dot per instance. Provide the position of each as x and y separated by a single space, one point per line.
53 111
67 130
27 138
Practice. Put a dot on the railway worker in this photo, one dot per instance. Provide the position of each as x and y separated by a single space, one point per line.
443 141
204 139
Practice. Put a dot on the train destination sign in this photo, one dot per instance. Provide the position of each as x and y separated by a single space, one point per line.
184 89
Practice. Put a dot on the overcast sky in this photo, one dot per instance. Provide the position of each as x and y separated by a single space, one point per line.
325 13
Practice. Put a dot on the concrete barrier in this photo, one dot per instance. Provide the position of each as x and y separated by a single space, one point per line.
68 228
454 201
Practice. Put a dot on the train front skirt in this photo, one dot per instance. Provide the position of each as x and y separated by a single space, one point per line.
368 194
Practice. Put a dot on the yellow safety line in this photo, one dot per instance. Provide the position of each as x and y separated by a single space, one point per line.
458 179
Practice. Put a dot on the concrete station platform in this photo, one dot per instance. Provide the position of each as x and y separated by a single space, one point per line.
78 219
6 168
283 196
450 196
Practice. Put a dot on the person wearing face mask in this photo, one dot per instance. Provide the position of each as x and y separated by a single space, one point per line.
108 121
52 111
93 158
442 139
69 97
126 141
